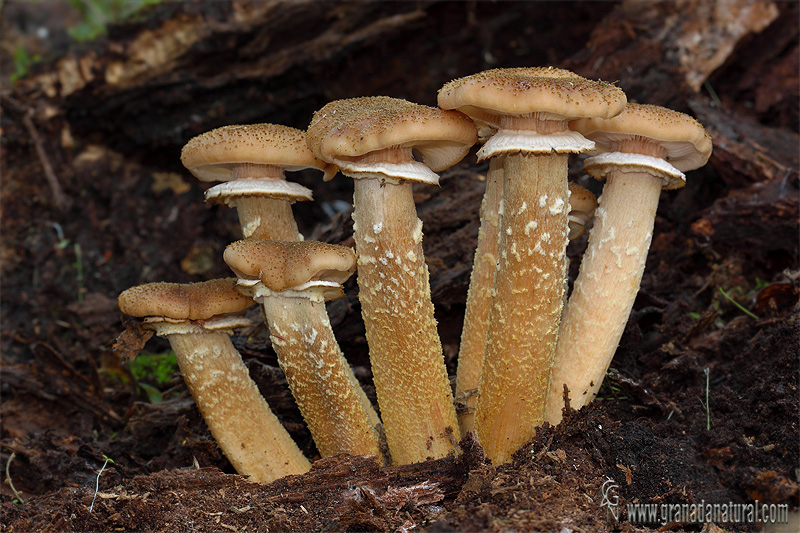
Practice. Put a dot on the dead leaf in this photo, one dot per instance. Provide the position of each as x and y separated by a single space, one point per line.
130 342
163 181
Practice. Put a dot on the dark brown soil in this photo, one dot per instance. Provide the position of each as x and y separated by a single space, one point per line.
716 319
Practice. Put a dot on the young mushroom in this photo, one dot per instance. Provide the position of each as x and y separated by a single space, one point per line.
529 109
582 204
251 161
197 319
292 281
647 149
372 140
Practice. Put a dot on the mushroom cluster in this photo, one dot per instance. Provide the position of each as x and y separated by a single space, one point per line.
522 341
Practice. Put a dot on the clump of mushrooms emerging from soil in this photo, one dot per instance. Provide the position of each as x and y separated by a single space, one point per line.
528 109
523 341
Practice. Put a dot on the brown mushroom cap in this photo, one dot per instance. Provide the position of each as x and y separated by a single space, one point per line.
184 301
213 155
357 126
582 205
283 265
684 140
491 94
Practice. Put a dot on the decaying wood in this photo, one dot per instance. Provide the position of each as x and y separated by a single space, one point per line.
746 151
661 53
164 81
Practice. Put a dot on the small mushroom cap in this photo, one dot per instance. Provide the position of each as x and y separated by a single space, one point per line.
184 301
283 265
684 140
582 204
214 155
489 95
355 127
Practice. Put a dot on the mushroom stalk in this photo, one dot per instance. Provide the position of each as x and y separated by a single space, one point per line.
249 434
263 217
332 402
405 351
526 305
479 298
266 218
601 301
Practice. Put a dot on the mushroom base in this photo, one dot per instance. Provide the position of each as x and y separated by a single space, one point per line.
249 434
405 351
526 304
610 275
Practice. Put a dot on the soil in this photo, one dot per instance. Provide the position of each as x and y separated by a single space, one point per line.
702 399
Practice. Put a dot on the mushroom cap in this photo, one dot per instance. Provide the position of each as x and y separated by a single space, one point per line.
283 265
489 95
347 129
214 155
685 141
184 301
582 205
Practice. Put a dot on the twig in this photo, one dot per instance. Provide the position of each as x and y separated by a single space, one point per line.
61 199
8 478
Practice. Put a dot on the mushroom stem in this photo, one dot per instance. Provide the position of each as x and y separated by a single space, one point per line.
249 434
267 218
601 301
405 351
527 303
339 415
479 298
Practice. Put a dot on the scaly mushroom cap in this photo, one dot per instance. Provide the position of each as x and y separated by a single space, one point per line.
184 301
283 265
214 155
489 95
346 130
676 138
528 108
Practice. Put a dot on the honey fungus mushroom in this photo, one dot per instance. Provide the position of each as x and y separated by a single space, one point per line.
373 140
528 110
292 281
645 149
197 319
582 204
251 161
